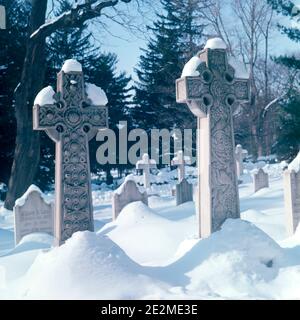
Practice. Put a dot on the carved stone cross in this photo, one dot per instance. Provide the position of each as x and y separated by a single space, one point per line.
71 121
146 164
240 156
211 96
180 160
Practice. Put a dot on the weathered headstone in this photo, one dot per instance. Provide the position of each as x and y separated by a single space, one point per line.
261 180
292 200
146 164
180 160
126 194
2 18
71 119
240 156
184 192
33 214
291 179
211 90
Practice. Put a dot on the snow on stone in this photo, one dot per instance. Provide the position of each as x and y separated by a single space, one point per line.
45 96
215 43
96 95
71 65
120 190
21 201
295 164
190 69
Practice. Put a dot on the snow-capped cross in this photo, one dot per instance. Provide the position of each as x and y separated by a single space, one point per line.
211 89
71 119
180 160
146 164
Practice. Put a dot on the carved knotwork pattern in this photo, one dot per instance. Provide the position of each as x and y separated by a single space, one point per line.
71 122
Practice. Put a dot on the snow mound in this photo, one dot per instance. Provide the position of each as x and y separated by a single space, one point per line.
71 65
21 201
87 266
147 238
45 96
295 164
233 262
96 95
215 43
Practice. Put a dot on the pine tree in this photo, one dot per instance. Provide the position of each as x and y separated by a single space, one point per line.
12 53
288 144
176 36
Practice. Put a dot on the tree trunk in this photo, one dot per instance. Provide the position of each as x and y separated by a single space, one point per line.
27 150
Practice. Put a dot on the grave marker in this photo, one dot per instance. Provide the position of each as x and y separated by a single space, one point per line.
146 164
33 214
211 91
71 120
126 194
240 156
261 180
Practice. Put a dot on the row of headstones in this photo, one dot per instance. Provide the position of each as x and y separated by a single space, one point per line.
35 214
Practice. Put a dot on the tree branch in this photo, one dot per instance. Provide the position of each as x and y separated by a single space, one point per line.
73 18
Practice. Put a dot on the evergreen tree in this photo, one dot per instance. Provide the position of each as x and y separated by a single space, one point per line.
289 143
12 52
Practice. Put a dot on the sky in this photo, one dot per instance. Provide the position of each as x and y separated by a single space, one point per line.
119 38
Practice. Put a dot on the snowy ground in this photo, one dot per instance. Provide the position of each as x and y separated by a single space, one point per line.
153 253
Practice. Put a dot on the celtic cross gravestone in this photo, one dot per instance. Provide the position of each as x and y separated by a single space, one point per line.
71 120
211 91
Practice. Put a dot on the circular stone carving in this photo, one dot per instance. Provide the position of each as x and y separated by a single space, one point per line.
207 76
73 117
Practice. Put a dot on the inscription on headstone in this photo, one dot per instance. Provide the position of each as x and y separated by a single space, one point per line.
211 96
126 194
71 121
261 180
33 214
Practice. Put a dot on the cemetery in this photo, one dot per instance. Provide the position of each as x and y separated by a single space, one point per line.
225 226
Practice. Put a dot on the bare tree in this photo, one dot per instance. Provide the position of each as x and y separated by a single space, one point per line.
27 148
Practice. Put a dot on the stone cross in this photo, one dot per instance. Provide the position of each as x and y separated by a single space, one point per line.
146 164
71 121
240 156
2 18
261 180
211 96
180 162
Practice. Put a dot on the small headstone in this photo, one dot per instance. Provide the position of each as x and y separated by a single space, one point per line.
184 192
146 164
240 156
2 18
33 214
291 178
128 192
261 180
